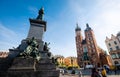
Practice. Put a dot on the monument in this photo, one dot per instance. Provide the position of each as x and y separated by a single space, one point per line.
32 57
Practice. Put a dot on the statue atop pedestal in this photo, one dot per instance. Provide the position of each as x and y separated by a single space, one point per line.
41 14
32 57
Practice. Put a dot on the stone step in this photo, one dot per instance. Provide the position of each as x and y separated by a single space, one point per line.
43 73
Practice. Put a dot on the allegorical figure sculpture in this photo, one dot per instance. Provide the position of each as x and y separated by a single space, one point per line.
46 48
41 14
31 50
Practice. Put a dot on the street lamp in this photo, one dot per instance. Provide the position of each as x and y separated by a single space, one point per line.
72 61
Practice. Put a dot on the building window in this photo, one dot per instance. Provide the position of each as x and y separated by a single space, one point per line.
85 49
116 62
117 47
113 56
109 44
93 50
89 38
111 49
119 55
115 42
88 34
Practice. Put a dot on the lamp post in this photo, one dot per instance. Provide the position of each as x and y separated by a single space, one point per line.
72 61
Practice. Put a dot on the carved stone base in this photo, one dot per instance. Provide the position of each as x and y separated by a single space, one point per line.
43 73
29 67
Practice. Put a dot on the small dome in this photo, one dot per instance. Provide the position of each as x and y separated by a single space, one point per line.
118 34
87 27
77 28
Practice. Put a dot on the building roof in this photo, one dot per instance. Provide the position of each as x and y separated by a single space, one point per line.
118 34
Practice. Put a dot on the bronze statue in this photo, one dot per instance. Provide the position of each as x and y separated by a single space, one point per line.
41 14
46 48
31 50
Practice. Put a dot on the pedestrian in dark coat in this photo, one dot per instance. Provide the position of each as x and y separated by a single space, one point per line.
95 73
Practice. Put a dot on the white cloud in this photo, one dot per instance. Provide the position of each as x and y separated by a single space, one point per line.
5 32
106 20
102 15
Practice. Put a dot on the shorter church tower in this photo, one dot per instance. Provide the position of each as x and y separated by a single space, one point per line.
78 44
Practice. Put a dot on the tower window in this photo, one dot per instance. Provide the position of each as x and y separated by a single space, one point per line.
109 44
89 38
111 49
113 56
116 62
117 47
115 42
119 55
88 34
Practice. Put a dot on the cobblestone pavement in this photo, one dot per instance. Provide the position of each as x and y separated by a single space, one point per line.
69 75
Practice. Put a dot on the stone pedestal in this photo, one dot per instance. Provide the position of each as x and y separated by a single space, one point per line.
29 67
37 28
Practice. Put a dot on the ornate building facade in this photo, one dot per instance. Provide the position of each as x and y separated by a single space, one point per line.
66 61
113 46
71 61
3 54
88 52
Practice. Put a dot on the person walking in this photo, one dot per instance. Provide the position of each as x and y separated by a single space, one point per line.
104 74
63 72
115 70
95 73
80 74
99 72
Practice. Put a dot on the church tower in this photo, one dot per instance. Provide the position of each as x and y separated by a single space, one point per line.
91 46
79 39
87 49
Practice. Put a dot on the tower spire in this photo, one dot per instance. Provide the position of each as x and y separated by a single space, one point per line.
77 27
77 24
87 25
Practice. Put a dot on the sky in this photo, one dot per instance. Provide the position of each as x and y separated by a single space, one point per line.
61 15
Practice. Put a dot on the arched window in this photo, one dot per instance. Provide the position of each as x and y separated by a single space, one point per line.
116 62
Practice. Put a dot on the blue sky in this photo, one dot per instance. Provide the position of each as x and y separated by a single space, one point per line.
61 15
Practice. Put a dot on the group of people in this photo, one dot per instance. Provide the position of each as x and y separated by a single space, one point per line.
98 73
95 72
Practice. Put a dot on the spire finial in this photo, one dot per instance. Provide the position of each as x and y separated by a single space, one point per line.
77 27
77 24
87 25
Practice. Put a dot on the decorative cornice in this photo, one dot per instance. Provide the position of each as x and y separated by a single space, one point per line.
38 22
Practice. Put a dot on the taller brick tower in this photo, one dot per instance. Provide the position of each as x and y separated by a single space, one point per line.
87 49
92 46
